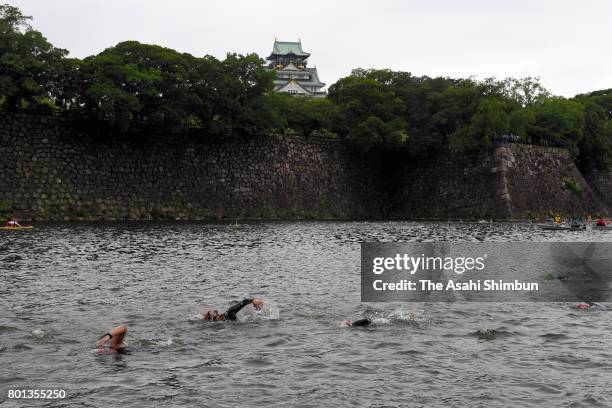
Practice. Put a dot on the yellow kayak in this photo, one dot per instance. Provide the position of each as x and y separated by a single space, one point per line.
27 228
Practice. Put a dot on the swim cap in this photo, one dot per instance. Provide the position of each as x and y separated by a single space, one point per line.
582 306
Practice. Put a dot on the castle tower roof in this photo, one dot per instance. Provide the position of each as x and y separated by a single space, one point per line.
282 48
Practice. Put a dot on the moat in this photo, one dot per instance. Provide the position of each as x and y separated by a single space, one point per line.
64 284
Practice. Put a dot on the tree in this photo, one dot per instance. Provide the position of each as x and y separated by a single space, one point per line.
524 92
596 145
66 91
139 83
307 115
246 82
490 119
457 105
560 122
374 132
521 120
29 64
207 81
371 111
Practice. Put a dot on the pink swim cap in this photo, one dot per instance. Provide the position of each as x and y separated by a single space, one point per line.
582 306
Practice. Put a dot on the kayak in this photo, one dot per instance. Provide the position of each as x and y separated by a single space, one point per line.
562 227
26 228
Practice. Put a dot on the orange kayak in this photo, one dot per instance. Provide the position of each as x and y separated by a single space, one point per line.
26 228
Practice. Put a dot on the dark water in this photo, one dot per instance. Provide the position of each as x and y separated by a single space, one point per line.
64 285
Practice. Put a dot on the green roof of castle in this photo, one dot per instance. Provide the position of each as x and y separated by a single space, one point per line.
288 47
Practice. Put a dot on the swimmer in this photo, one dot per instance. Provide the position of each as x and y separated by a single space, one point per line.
357 323
230 313
583 305
115 337
588 305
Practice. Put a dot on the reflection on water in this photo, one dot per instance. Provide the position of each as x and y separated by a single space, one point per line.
62 285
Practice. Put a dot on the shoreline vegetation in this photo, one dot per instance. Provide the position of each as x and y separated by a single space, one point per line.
139 89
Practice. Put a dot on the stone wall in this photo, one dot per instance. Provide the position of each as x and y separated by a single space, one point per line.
513 181
53 170
601 182
443 186
545 179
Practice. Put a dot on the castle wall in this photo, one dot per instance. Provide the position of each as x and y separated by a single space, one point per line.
512 182
52 170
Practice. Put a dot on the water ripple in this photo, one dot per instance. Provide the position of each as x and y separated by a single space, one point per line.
63 285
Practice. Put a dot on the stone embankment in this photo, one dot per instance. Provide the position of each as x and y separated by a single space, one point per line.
512 182
53 170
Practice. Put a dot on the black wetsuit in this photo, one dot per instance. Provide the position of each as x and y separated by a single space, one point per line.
230 314
362 322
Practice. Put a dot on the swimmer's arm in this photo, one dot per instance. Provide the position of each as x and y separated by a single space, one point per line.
104 339
599 306
116 335
232 311
257 303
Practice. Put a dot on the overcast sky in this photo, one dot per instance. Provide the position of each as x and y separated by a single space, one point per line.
565 43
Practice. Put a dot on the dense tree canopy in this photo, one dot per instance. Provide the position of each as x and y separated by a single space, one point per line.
131 85
371 112
596 145
29 65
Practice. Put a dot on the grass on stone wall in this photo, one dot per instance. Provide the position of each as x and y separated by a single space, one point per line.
573 187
